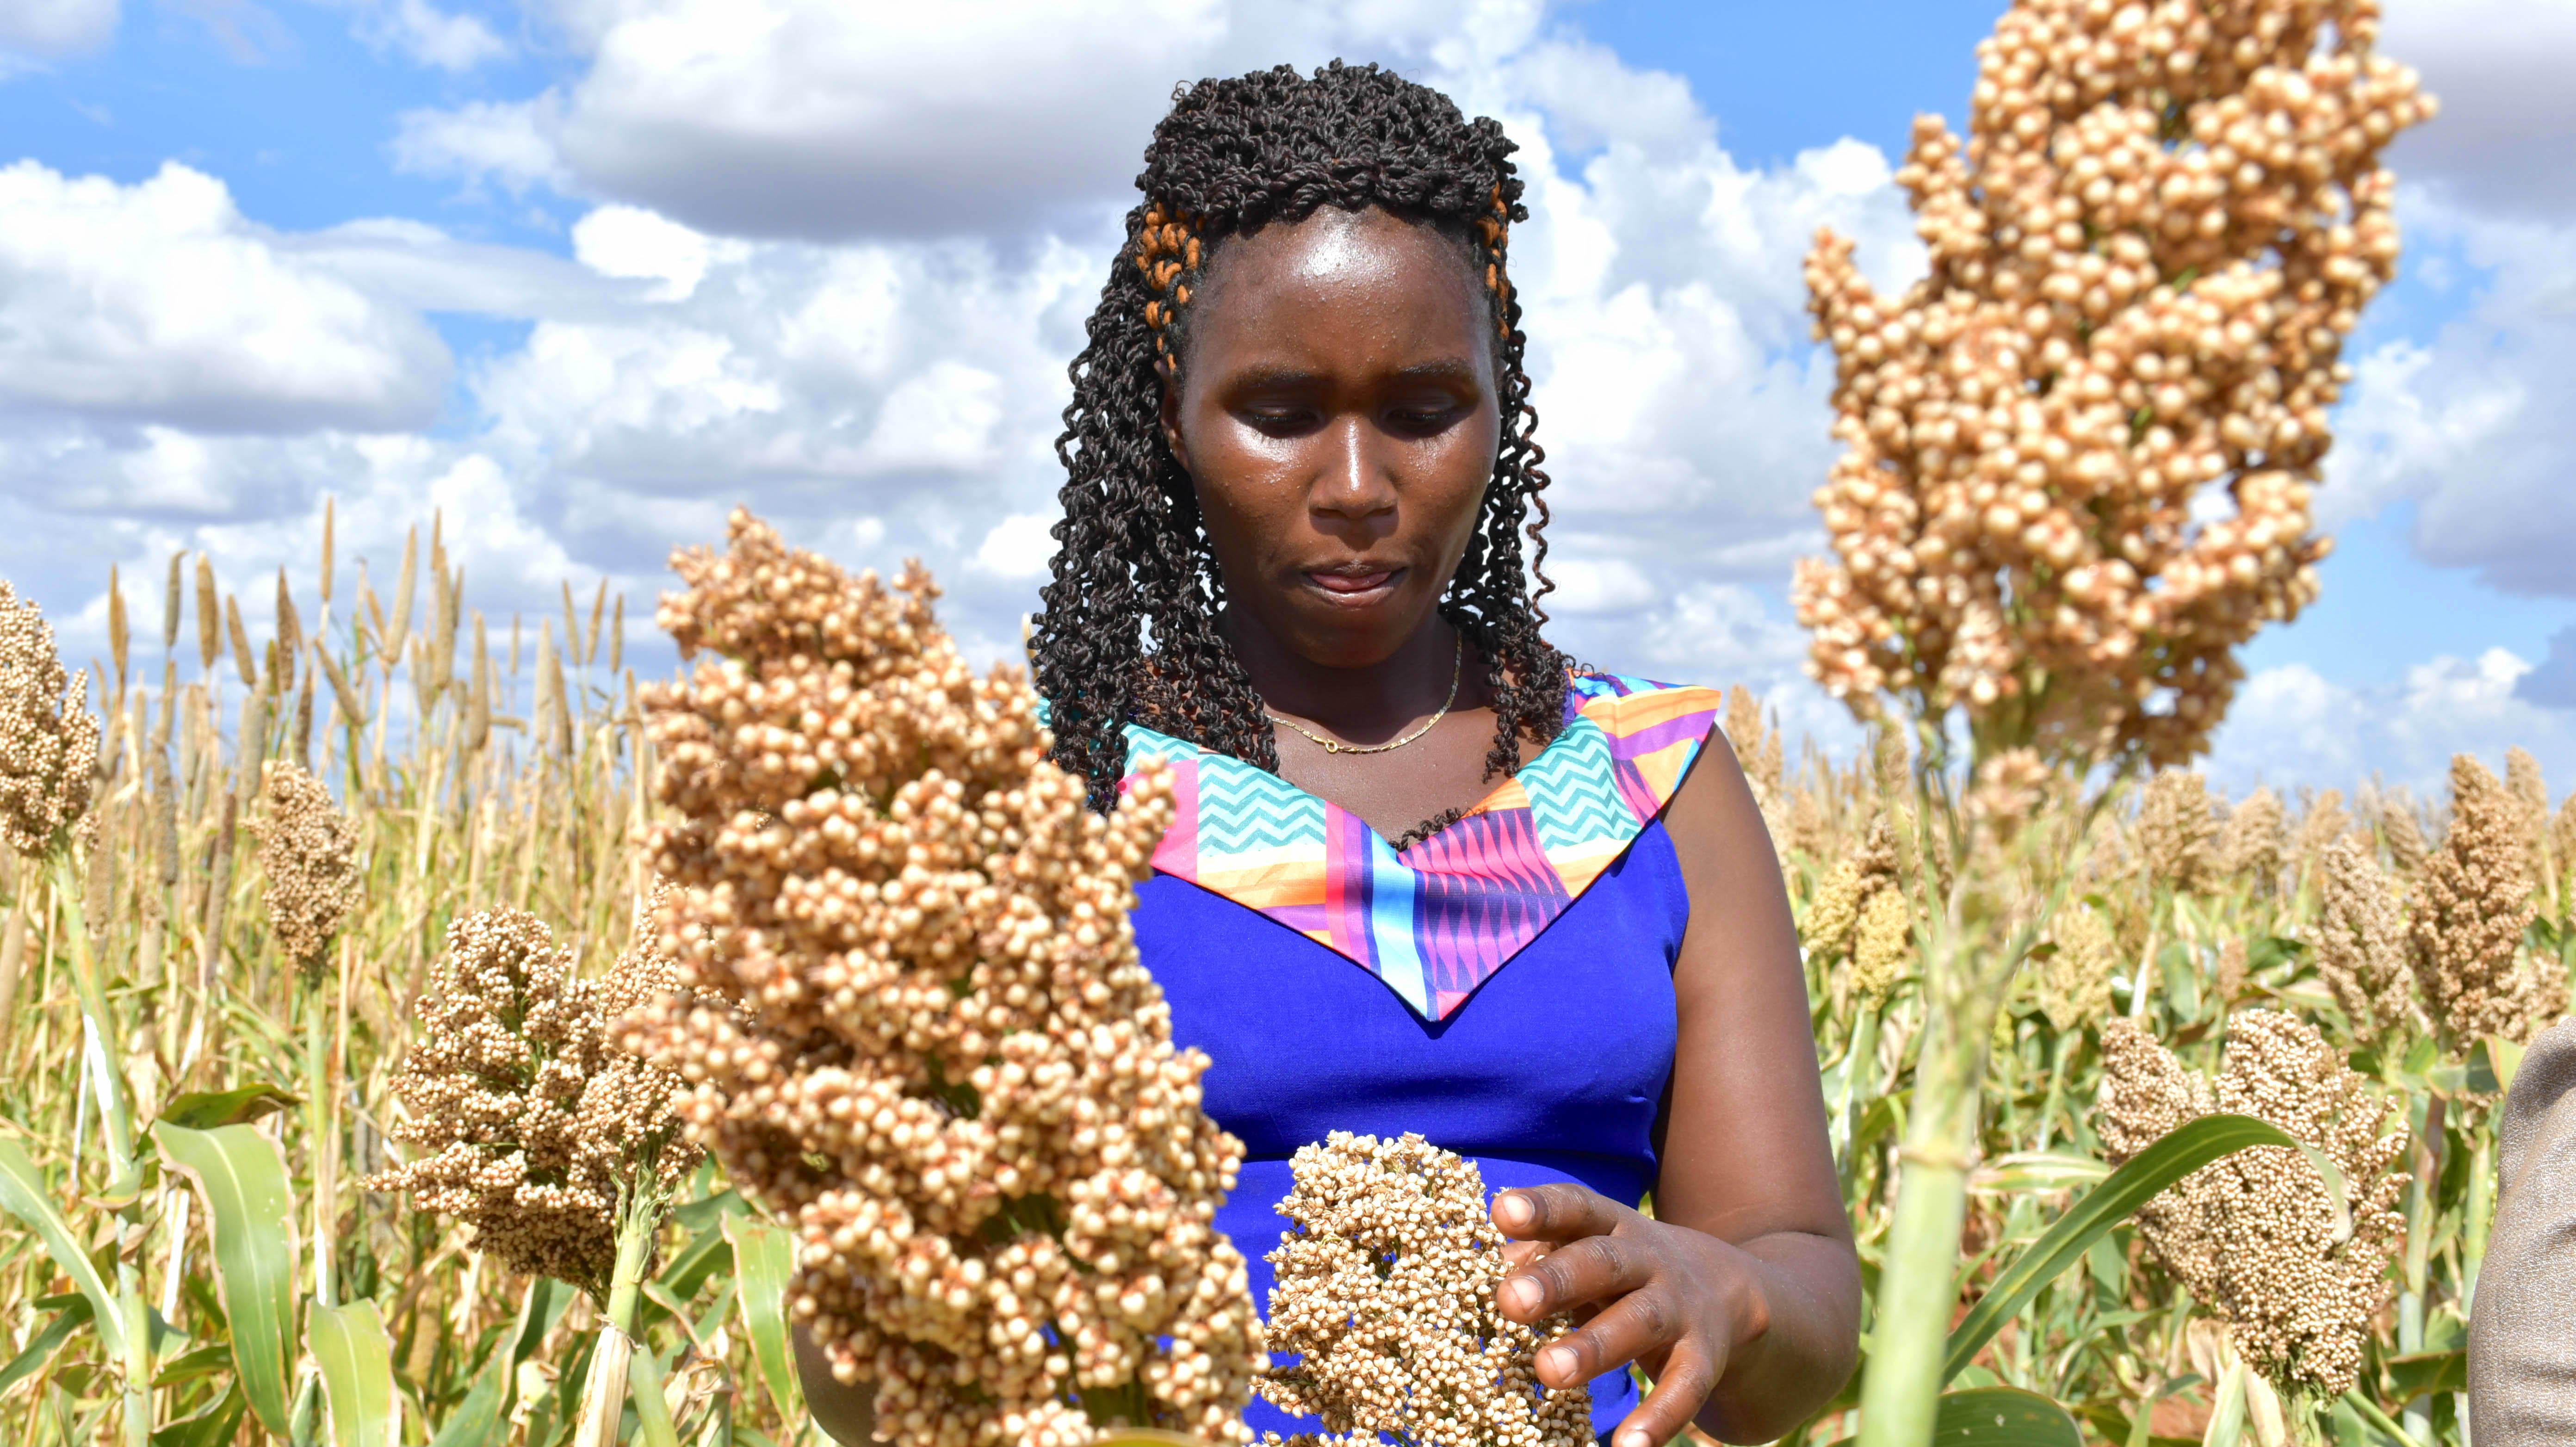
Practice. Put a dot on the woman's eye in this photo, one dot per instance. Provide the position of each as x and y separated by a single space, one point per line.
1423 415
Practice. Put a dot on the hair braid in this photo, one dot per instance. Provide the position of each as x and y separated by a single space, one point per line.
1129 628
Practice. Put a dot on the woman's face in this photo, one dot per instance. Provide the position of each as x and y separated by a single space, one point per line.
1337 414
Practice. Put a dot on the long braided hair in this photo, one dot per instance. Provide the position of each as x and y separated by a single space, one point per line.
1129 631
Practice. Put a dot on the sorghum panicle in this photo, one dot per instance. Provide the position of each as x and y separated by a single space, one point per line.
941 1060
2145 256
2175 828
2254 842
1386 1284
2472 902
2361 942
2254 1236
308 849
48 745
533 1123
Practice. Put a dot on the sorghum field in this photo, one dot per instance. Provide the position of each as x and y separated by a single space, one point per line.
416 1028
2356 970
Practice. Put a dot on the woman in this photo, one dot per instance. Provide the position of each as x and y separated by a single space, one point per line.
1426 875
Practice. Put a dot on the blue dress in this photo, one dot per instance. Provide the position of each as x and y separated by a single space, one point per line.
1504 988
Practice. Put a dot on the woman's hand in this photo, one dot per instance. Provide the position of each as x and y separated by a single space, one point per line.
1680 1303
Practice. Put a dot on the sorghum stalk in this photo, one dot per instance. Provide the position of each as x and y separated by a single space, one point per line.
116 1122
1917 1289
13 953
611 1360
1985 921
2481 1212
1859 1086
2420 1213
317 1132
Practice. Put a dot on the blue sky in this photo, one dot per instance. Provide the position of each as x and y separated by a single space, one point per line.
582 272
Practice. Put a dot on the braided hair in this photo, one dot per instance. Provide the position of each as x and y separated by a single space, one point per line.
1129 630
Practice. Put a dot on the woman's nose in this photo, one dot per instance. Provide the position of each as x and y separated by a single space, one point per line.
1356 481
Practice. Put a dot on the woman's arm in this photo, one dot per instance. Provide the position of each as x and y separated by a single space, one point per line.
1741 1298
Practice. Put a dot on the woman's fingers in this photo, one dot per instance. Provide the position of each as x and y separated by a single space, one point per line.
1638 1324
1559 1211
1688 1377
1593 1269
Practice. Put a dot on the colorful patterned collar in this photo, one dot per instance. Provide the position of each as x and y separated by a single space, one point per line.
1438 919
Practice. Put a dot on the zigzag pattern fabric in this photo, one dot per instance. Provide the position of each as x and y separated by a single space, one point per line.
1438 919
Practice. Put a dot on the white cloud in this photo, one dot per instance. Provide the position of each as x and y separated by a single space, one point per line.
930 371
2293 725
1594 584
834 263
2476 423
2552 683
508 142
419 29
1018 546
806 118
2500 69
37 28
629 241
812 119
159 302
915 382
1722 633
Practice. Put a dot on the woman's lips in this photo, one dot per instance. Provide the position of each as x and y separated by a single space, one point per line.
1355 587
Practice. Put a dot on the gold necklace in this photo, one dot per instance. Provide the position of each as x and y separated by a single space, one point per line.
1457 667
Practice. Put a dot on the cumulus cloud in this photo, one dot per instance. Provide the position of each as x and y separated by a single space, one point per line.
1018 546
2553 683
834 265
629 241
429 35
799 118
159 302
907 371
2500 68
2292 724
505 142
2475 423
44 28
807 119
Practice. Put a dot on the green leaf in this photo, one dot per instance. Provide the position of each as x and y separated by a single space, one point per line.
2024 1171
546 1303
2002 1417
357 1362
240 1175
764 1256
705 1257
205 1361
2492 1063
25 1195
477 1419
2410 1377
698 1215
2271 950
214 1427
75 1314
2112 1425
2178 1154
1884 1117
207 1109
652 1411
